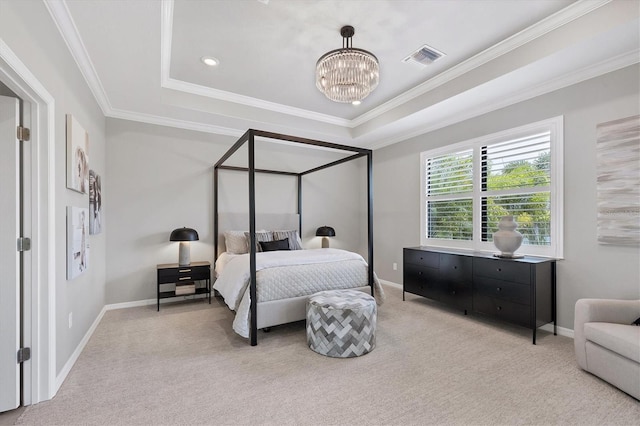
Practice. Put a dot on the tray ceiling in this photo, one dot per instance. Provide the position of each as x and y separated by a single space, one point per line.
142 59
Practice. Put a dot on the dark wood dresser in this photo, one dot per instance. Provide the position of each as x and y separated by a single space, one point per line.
518 291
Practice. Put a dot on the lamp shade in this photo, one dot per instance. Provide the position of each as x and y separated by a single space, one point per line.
184 234
325 231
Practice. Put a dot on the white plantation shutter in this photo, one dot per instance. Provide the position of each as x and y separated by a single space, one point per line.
515 177
449 187
468 187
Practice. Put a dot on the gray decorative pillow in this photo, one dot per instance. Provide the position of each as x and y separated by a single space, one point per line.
260 236
294 238
236 242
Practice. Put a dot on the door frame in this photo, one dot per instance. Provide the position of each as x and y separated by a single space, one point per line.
39 309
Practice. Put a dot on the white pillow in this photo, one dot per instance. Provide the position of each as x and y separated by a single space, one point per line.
236 242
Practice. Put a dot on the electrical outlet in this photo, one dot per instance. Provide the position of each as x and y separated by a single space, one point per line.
395 266
70 319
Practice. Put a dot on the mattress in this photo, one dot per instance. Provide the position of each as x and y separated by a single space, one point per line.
288 274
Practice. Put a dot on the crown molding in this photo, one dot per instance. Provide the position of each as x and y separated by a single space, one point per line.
196 89
166 29
566 80
557 20
174 122
63 20
569 79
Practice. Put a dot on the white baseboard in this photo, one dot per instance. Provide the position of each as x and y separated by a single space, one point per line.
562 331
76 354
147 302
390 283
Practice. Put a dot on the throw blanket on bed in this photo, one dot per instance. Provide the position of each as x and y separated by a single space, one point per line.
286 274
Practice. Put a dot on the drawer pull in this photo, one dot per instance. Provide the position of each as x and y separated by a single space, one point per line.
455 267
420 273
453 292
499 308
499 289
184 278
499 269
184 270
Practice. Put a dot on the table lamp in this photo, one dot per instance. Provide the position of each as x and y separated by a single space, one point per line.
324 232
184 235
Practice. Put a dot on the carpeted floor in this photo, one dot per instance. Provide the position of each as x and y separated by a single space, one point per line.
432 365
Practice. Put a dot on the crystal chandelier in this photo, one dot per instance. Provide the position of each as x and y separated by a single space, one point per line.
347 74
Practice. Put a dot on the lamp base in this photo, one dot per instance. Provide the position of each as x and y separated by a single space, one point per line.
184 254
325 242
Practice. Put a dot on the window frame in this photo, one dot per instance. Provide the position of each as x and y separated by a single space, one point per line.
555 127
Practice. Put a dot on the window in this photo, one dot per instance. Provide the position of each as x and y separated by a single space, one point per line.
469 186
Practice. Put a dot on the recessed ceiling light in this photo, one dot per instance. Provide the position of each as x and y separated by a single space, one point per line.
356 103
210 60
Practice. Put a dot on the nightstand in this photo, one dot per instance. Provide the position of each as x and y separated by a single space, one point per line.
185 280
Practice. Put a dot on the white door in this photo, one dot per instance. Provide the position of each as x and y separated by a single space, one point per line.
9 256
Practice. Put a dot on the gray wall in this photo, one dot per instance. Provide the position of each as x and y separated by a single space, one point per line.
161 178
588 269
27 28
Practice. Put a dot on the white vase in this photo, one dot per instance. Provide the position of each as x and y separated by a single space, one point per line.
507 239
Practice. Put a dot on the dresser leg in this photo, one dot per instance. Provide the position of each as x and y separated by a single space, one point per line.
403 295
534 336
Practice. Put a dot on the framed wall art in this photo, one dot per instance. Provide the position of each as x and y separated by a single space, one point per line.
618 185
77 156
95 203
77 241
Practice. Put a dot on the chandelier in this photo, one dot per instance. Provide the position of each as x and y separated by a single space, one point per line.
347 74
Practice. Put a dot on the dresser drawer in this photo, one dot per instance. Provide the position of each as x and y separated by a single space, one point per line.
515 313
420 257
421 280
456 268
504 270
519 293
457 294
419 274
183 274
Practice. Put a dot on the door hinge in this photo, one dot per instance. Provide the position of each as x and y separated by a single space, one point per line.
24 134
24 244
24 354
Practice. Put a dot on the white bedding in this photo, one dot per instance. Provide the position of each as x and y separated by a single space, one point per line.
285 274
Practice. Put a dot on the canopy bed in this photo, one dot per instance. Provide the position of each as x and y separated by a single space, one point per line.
316 267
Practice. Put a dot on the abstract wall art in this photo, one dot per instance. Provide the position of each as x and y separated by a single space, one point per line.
618 184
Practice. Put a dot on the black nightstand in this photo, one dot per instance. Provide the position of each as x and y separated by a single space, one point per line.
186 279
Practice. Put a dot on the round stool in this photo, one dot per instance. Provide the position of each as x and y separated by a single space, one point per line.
341 323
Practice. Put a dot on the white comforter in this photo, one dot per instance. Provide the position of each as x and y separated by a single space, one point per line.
285 274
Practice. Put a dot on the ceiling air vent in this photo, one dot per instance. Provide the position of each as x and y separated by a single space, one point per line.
424 56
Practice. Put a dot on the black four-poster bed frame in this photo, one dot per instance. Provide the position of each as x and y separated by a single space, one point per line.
250 138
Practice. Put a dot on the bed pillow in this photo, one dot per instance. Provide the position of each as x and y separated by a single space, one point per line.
236 242
275 245
294 238
260 236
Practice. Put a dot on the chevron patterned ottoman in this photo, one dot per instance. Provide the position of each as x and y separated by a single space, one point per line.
341 323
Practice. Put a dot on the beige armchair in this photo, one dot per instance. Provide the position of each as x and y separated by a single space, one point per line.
607 344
